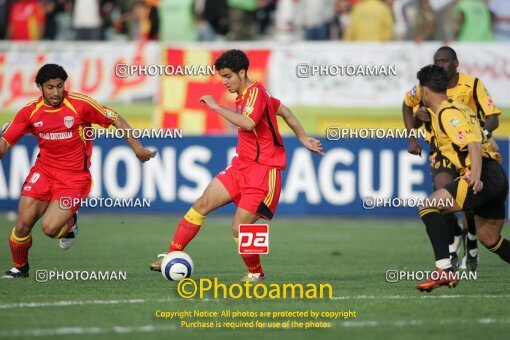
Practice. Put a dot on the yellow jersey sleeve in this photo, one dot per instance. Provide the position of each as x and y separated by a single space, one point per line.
455 125
413 96
484 100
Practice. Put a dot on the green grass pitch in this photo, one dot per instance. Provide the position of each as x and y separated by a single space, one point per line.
351 254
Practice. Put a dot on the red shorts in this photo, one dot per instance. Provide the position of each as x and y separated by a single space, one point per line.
67 187
253 186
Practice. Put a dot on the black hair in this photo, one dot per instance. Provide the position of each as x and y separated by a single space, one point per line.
50 71
235 60
434 77
451 51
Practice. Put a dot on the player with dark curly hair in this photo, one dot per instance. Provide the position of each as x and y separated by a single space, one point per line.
253 180
57 118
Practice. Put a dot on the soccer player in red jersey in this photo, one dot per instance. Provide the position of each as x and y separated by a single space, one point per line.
61 170
253 180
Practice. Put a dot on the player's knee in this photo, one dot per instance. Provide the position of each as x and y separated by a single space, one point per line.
202 204
49 229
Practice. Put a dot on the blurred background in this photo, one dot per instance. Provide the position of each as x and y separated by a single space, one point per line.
90 37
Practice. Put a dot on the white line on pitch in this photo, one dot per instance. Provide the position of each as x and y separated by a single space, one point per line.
86 330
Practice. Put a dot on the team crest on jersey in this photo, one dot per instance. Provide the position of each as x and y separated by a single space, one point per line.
68 121
248 110
462 98
412 92
455 122
110 114
490 103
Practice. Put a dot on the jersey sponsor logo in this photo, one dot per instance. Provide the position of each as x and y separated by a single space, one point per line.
455 122
460 135
38 124
68 121
56 135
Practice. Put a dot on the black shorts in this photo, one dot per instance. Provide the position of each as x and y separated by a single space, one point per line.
488 203
440 164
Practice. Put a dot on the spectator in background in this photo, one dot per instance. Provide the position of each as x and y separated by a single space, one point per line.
444 17
316 16
51 9
64 21
474 21
143 20
212 19
87 20
26 20
500 10
242 19
5 6
420 20
371 20
342 18
177 21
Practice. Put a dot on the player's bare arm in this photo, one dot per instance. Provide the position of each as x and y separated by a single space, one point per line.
407 113
233 117
475 154
491 123
310 143
4 148
143 154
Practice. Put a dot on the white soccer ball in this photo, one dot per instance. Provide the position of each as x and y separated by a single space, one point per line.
176 266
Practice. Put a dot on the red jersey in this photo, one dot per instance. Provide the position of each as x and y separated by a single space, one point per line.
27 20
59 130
263 144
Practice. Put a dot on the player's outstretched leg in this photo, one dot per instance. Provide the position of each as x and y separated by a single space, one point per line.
214 196
489 233
252 261
20 239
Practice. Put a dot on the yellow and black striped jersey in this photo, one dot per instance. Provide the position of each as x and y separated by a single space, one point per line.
454 126
469 91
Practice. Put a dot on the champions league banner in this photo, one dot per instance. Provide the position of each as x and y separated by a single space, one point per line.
356 177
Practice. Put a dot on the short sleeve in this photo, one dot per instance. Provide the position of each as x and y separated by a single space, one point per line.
95 113
255 105
484 100
455 125
18 127
413 96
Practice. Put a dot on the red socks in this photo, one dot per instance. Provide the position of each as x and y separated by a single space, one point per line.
187 228
19 248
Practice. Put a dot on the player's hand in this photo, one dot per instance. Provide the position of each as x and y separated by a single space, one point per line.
209 101
475 183
313 144
422 114
414 147
144 154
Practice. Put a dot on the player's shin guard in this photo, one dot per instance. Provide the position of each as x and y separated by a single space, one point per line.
186 230
502 248
438 235
19 248
252 261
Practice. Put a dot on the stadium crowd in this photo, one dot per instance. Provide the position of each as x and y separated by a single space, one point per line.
211 20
